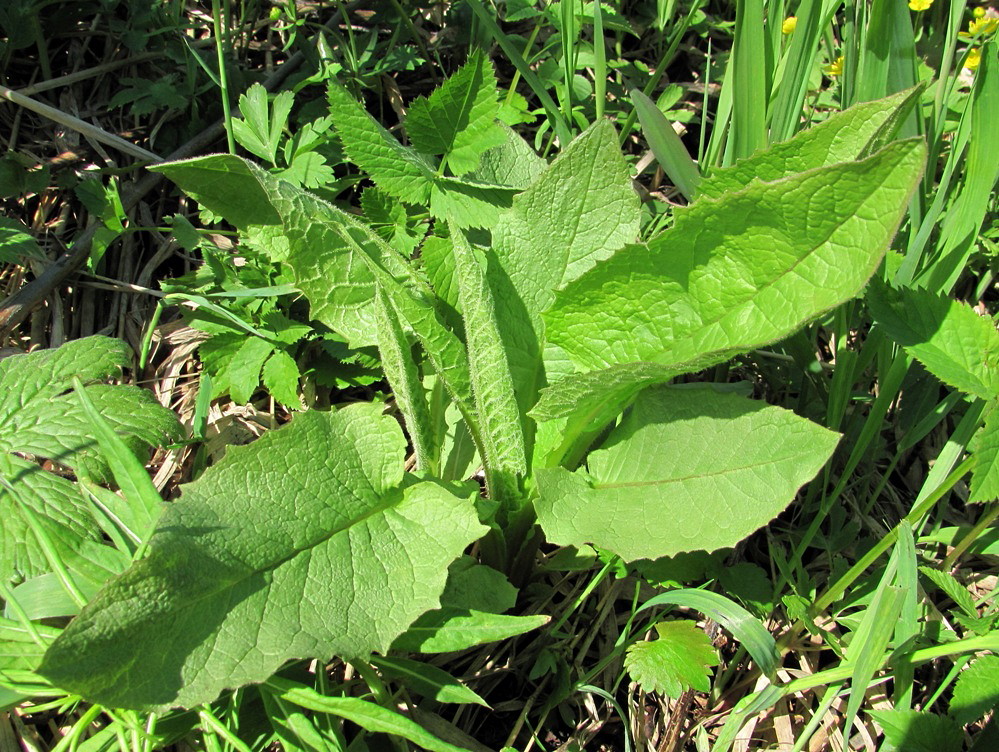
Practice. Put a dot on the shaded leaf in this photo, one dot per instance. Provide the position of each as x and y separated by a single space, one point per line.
919 731
953 342
976 691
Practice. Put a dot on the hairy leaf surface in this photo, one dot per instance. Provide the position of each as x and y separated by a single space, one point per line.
742 271
685 470
41 417
578 211
400 171
309 542
844 137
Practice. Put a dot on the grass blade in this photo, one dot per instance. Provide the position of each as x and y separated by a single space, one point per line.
666 145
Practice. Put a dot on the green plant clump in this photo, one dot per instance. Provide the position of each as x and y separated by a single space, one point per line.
535 324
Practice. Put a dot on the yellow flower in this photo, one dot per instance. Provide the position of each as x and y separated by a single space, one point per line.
974 58
982 26
789 25
978 12
918 5
834 68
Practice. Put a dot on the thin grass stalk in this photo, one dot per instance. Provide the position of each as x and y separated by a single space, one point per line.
600 61
223 76
569 33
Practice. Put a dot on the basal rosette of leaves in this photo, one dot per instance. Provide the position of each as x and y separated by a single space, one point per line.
538 318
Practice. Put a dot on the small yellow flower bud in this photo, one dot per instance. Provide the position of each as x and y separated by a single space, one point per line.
918 5
974 58
789 25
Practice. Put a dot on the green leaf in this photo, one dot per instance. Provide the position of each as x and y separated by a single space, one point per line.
404 378
680 659
458 120
400 171
502 437
985 446
757 641
308 169
427 680
365 714
244 368
260 129
280 377
742 271
225 185
18 649
919 731
309 542
976 691
586 402
666 145
337 260
471 613
580 210
512 163
843 137
952 589
42 418
953 342
17 243
724 467
468 203
448 630
141 496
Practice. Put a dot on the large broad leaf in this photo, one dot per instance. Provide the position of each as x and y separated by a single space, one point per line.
955 344
41 417
458 120
309 542
580 210
742 271
687 469
844 137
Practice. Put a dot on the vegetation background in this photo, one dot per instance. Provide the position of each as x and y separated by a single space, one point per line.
93 243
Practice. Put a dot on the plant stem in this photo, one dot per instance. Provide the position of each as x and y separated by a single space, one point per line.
223 78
